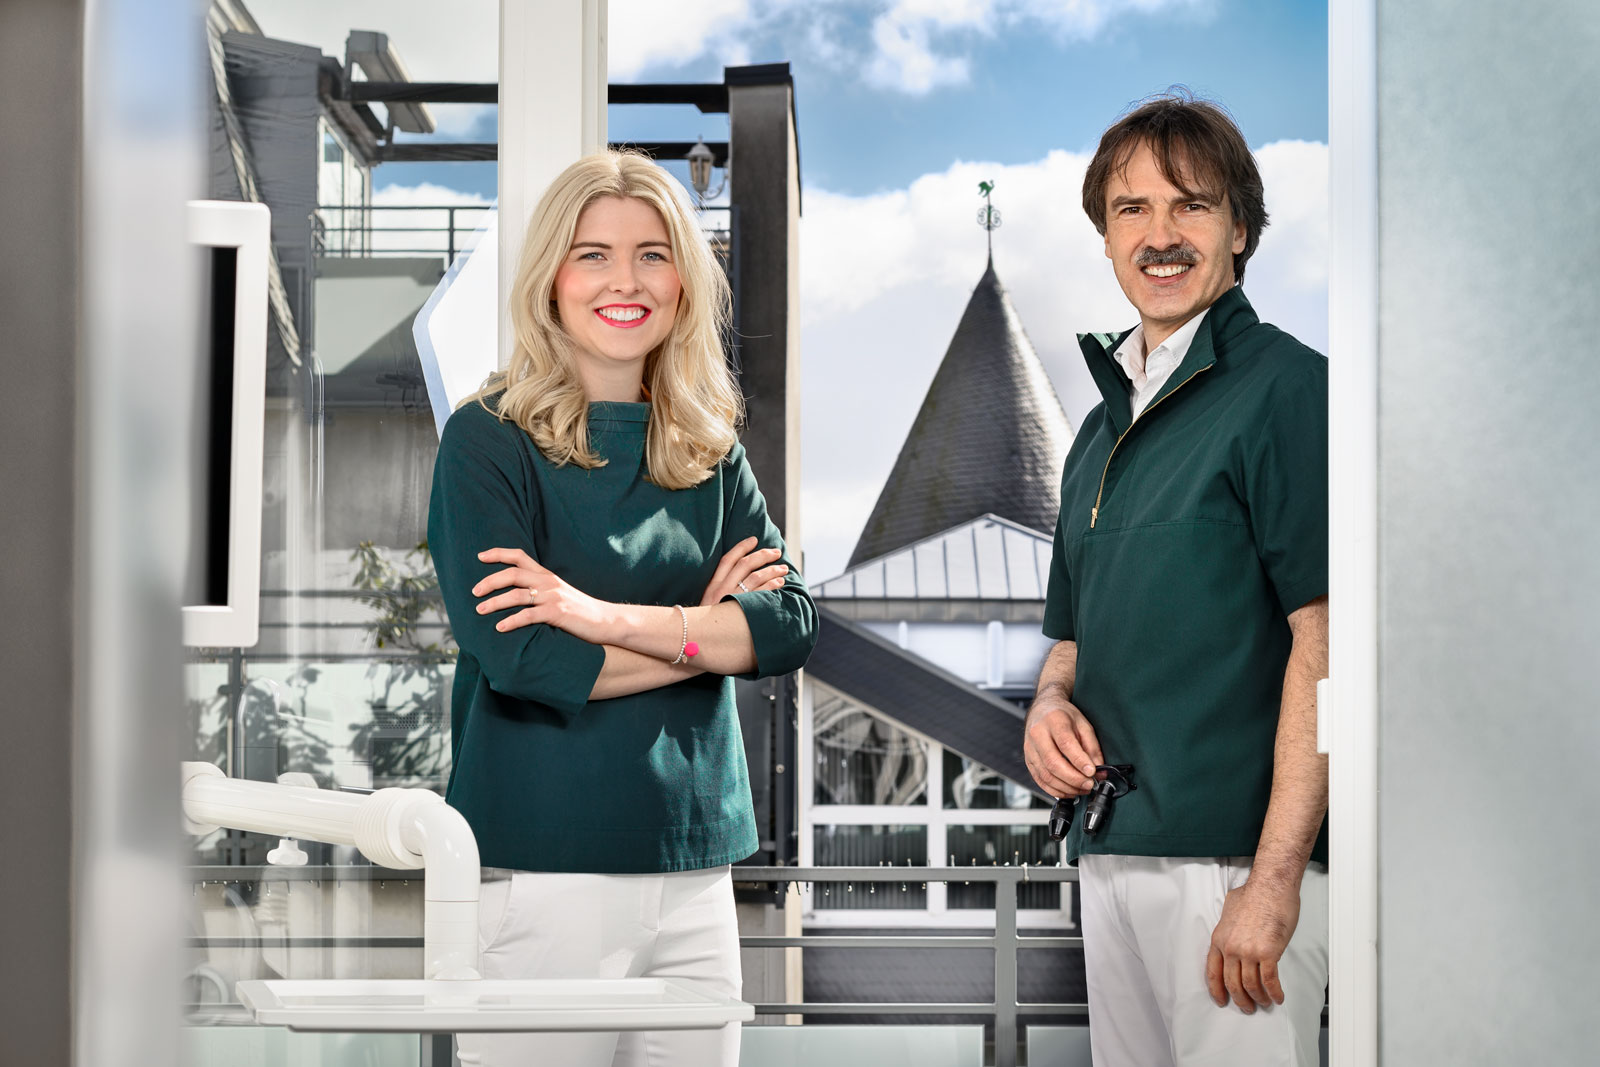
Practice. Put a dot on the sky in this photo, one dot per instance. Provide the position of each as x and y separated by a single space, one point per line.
903 107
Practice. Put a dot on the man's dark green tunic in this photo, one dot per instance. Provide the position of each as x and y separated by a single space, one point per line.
548 779
1185 540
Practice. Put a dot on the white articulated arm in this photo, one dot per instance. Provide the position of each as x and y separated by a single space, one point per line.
416 828
399 828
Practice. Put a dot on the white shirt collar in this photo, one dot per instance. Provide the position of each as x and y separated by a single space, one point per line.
1168 354
1149 373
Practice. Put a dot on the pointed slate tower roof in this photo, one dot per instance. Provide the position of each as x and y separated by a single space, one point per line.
991 436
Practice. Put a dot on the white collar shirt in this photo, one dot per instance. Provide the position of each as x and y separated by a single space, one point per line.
1149 373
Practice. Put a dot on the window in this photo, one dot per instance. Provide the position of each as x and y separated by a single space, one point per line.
882 795
862 758
968 784
985 845
871 846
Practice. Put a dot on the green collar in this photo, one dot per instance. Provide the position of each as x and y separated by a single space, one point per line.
618 411
1226 319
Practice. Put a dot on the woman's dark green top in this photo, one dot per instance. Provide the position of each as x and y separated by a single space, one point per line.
548 779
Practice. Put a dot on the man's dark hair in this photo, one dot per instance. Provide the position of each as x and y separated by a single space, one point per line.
1193 141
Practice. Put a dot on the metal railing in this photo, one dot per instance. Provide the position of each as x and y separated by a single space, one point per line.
716 222
1005 942
376 230
372 231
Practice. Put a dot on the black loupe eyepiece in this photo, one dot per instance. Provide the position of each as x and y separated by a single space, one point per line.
1060 818
1117 781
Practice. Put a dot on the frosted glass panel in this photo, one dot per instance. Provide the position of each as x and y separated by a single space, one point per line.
270 1046
1059 1046
863 1046
350 680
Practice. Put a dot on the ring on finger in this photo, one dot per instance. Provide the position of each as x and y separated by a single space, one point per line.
746 588
532 594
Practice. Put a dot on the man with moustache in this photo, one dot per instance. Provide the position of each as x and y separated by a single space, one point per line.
1188 599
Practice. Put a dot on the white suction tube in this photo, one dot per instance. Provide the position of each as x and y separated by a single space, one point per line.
400 828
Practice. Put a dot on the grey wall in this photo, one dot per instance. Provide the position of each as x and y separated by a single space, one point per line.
99 305
377 476
1489 533
41 42
143 157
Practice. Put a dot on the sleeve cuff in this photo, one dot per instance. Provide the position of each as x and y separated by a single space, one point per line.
564 673
1295 595
1058 629
779 631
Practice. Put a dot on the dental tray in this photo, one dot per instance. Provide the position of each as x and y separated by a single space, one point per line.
531 1004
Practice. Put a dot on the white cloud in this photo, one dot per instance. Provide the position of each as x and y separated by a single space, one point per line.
884 279
1295 174
906 58
1083 20
948 13
646 33
427 194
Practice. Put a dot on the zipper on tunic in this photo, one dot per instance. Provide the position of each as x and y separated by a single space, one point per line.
1094 512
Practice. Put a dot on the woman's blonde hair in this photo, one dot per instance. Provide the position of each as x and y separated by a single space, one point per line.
694 407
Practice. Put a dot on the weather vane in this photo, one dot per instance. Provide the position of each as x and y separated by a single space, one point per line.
988 214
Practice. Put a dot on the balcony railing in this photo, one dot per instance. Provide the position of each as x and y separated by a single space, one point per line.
398 230
1006 943
369 231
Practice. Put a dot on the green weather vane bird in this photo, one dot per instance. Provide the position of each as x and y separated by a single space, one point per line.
988 214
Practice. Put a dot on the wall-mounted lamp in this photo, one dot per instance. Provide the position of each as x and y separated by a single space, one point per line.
701 162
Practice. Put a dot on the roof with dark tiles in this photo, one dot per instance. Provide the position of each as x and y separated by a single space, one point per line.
874 671
991 436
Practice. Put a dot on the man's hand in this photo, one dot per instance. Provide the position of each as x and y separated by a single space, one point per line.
1257 921
1059 746
1260 916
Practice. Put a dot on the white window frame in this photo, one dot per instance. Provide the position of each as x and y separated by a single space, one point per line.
931 813
339 205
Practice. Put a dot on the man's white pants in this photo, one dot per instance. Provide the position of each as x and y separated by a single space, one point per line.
541 925
1147 925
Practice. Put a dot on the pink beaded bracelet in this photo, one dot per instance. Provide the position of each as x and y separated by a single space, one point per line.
688 648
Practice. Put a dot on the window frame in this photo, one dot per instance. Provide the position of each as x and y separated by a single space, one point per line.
931 813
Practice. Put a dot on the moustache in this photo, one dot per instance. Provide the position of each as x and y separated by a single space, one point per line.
1150 257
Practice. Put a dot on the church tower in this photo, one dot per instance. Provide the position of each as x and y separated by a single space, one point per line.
990 438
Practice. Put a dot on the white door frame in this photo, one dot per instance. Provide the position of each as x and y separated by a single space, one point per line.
1350 731
552 111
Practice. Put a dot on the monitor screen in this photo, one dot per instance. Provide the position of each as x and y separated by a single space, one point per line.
223 579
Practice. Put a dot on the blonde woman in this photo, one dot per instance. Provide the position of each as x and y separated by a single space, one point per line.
607 565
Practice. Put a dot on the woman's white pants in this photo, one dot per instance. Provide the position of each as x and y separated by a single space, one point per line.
541 925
